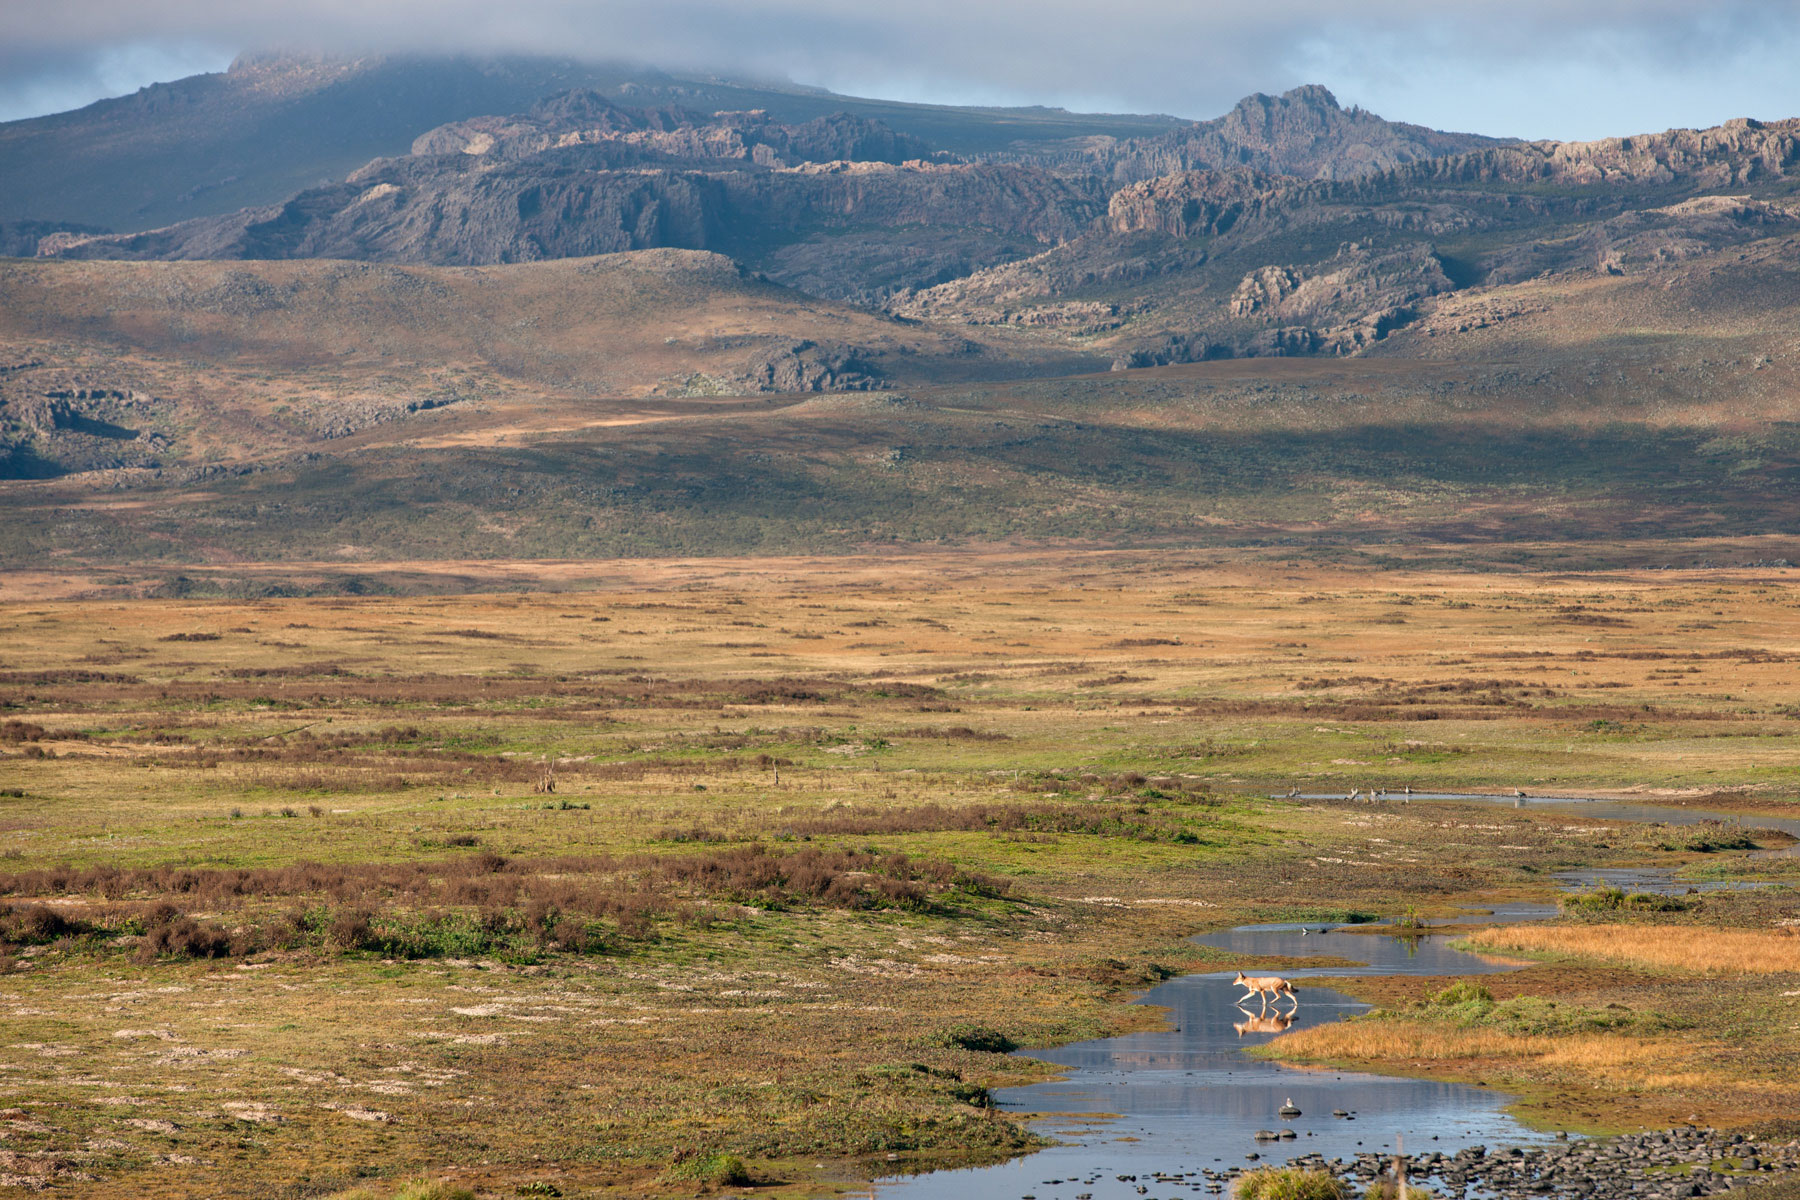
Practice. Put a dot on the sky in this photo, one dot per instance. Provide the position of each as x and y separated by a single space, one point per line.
1568 69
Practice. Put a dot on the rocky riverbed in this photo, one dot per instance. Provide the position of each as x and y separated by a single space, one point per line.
1677 1162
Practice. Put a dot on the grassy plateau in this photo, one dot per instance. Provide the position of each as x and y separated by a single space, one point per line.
708 874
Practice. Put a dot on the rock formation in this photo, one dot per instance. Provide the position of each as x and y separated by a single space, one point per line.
1304 133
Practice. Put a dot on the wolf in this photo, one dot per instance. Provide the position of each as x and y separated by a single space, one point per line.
1264 986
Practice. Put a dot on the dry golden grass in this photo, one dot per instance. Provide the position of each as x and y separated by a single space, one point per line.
1423 1041
1611 1063
1664 947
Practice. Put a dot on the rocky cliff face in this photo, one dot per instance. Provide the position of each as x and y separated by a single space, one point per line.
1738 153
425 211
587 118
20 239
1197 203
55 421
1199 264
580 175
1303 133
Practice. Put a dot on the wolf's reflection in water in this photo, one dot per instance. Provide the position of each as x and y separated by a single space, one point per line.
1266 1022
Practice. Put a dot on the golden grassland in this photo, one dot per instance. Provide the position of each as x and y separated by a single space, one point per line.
279 875
1620 1066
1664 947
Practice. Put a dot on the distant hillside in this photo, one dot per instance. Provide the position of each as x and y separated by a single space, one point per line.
272 126
182 412
111 366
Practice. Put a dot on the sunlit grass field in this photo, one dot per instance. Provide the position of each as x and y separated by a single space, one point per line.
766 859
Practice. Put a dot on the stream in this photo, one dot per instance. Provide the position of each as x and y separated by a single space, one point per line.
1152 1114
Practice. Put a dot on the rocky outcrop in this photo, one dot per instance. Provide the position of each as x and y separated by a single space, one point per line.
53 423
587 118
1241 262
1304 133
451 210
1737 153
1196 203
806 366
20 239
1289 226
1358 283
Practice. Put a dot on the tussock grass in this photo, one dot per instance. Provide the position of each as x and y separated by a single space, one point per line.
1663 947
412 1189
1621 1062
1613 899
1290 1183
720 1169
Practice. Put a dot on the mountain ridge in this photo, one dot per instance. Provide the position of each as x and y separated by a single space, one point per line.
273 125
843 205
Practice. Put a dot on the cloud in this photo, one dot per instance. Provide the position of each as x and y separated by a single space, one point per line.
1534 67
55 78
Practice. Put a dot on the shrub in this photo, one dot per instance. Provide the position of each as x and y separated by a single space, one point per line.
1657 902
720 1169
351 930
972 1094
1710 842
1614 899
1462 992
977 1037
483 902
1290 1183
1601 899
177 934
441 935
36 924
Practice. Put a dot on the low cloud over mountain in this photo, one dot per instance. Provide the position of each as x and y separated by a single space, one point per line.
1533 68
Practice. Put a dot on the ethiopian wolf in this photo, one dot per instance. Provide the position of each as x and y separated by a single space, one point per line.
1264 986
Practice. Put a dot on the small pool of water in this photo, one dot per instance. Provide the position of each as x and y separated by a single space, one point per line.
1189 1100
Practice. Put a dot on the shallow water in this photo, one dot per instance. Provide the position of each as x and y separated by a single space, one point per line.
1192 1099
1189 1100
1599 809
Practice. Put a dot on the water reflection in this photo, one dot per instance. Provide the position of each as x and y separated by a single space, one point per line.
1274 1022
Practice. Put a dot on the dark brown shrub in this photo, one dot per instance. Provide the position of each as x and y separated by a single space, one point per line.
351 930
36 924
182 936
